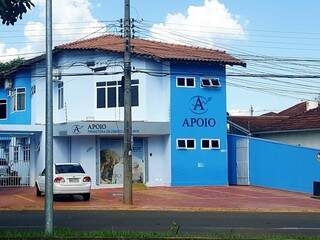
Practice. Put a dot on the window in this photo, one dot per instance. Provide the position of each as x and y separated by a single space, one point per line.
186 82
208 144
210 83
70 168
101 95
60 95
19 99
186 143
3 109
111 94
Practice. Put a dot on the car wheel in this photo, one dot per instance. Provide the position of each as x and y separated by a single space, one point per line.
86 196
38 192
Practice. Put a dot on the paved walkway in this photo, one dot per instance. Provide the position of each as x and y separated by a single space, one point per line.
251 199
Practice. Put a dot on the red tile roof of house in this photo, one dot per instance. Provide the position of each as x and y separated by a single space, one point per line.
295 118
294 110
154 49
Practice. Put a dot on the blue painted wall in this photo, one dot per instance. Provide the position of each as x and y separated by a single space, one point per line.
277 165
198 167
21 79
232 164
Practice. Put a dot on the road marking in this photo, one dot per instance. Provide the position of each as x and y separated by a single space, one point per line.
24 198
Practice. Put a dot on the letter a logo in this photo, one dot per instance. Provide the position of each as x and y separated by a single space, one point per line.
198 106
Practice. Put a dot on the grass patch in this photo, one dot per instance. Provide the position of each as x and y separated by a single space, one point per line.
70 234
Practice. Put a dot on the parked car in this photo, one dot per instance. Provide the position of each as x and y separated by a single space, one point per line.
68 179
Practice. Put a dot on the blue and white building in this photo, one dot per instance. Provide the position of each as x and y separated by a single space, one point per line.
179 113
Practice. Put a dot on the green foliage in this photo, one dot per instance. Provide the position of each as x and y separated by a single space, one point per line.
12 10
6 66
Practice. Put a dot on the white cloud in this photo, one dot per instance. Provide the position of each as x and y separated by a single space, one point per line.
204 25
72 20
239 112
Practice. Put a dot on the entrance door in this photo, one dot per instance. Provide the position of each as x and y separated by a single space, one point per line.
242 162
111 161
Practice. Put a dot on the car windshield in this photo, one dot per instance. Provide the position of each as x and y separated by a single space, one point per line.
60 169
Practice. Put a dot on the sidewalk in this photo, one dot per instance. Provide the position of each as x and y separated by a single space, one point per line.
235 198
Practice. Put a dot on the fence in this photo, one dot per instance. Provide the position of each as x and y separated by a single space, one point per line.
275 165
14 162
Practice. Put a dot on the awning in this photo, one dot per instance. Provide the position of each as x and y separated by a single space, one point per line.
110 128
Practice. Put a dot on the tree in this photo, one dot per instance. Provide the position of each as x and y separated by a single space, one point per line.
11 10
7 66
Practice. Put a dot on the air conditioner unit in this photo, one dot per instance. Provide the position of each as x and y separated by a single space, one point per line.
8 84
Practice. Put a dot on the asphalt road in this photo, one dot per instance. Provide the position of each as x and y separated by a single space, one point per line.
195 222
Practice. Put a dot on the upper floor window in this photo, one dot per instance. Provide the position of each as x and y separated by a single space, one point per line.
210 83
3 109
19 99
186 82
111 94
60 95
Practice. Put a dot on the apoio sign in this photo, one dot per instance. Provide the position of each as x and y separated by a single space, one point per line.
199 106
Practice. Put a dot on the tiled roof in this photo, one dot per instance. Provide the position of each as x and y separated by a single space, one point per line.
257 123
296 118
154 49
294 110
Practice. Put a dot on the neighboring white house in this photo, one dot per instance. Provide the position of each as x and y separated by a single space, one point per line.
298 125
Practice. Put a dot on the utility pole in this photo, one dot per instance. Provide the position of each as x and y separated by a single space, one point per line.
251 110
49 124
127 139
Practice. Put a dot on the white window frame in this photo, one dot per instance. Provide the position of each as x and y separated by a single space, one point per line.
186 141
6 104
60 95
96 94
211 85
14 100
185 82
118 87
210 143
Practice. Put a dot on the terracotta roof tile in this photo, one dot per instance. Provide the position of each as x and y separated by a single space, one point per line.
294 110
154 49
306 120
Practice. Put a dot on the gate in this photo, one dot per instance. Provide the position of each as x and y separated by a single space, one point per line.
242 161
14 162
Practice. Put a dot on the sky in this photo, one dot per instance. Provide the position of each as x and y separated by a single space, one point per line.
272 36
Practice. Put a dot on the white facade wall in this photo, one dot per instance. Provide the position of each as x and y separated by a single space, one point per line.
309 139
80 91
159 164
61 150
83 150
80 105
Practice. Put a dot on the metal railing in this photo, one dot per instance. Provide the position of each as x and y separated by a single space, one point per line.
14 164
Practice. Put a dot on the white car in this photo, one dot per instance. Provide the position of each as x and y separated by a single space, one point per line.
68 179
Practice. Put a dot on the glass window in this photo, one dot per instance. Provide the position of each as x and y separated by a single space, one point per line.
61 169
210 82
180 82
135 96
112 97
190 143
186 82
186 143
190 82
215 144
19 99
3 109
181 143
101 97
60 95
205 144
